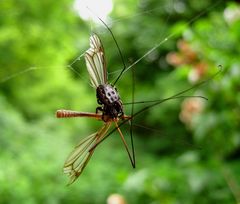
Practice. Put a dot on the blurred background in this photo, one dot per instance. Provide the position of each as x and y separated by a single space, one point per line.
187 149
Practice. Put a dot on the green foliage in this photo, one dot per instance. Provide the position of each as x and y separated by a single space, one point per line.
187 149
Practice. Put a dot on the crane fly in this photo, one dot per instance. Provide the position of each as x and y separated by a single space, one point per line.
110 109
110 112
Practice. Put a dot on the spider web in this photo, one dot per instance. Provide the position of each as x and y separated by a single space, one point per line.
76 68
77 65
164 38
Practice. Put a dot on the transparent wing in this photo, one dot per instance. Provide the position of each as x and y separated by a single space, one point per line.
95 62
79 157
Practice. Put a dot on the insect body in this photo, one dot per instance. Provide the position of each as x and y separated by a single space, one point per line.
108 97
111 108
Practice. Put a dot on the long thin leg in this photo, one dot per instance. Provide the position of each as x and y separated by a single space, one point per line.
125 119
132 112
132 159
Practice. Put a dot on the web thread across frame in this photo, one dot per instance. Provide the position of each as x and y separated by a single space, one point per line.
130 67
158 42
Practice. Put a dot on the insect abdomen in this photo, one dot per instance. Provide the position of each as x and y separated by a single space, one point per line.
109 98
107 94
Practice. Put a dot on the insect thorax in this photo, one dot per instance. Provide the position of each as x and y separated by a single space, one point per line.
108 97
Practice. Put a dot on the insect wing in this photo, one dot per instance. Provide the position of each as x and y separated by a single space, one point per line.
79 157
95 62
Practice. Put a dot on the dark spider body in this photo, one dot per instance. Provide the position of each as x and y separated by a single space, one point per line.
108 97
